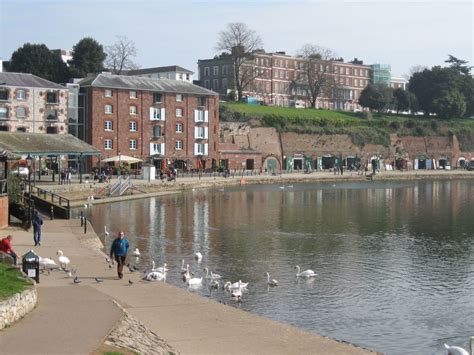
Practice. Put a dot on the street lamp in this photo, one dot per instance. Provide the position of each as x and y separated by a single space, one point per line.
29 161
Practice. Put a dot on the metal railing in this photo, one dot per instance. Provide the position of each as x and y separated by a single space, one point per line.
52 197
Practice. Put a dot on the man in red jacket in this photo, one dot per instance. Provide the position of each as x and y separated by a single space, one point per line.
6 247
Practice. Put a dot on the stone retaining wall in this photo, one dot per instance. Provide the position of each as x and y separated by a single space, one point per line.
17 306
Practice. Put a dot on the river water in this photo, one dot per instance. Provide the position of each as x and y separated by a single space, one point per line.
395 260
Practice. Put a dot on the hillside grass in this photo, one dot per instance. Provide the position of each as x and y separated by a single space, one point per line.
364 128
11 281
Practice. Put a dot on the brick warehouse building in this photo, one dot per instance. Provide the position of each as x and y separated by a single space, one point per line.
168 122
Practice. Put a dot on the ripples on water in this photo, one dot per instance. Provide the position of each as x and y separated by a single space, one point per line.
395 260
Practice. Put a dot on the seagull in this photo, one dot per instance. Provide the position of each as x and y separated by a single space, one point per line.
198 256
76 280
130 282
98 280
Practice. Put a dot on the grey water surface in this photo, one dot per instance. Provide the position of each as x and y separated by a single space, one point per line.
395 260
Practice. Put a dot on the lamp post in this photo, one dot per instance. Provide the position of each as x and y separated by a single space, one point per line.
29 164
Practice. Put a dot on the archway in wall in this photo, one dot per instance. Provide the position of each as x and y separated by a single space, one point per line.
271 163
461 162
328 162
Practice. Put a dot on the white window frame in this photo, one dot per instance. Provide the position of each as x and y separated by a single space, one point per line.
20 108
21 97
108 93
178 145
133 94
4 111
108 109
215 84
132 144
179 97
132 126
179 112
224 83
179 128
108 126
206 71
108 144
207 84
215 70
133 110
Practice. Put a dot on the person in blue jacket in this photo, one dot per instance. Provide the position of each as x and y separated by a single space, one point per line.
37 223
119 250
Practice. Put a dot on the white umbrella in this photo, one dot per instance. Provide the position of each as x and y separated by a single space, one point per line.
121 158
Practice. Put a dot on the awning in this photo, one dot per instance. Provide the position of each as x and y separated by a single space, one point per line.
121 158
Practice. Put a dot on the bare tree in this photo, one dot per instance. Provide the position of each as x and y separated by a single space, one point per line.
418 68
120 54
239 42
316 78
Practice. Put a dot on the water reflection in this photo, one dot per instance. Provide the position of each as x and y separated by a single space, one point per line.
395 259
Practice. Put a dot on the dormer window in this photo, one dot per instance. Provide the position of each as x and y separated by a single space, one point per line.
52 97
3 94
157 97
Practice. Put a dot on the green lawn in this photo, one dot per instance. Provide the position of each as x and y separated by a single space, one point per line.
10 281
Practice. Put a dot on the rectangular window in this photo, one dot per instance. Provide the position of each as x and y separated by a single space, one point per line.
108 144
52 97
202 100
157 97
276 74
52 114
356 71
108 109
132 144
20 95
199 132
3 94
156 131
206 84
179 97
179 112
108 93
224 69
107 125
179 128
20 112
224 83
178 145
133 110
155 113
206 71
215 84
3 112
133 94
133 126
215 70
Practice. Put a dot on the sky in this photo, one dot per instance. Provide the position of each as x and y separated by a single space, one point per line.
179 32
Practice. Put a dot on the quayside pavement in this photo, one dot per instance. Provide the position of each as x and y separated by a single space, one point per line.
75 318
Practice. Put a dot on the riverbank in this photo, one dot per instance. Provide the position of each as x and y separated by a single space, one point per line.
79 194
78 317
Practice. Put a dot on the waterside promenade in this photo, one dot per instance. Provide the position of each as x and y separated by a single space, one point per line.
76 318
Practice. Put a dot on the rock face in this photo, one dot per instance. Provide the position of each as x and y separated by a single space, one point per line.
17 306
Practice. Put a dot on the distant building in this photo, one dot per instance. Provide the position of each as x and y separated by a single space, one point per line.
173 72
398 82
32 104
381 74
169 122
66 55
277 74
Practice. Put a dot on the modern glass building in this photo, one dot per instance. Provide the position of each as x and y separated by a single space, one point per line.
381 74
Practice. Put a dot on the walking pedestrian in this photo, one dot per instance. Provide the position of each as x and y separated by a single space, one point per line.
37 223
119 250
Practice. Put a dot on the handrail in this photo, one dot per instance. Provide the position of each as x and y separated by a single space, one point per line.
61 201
116 185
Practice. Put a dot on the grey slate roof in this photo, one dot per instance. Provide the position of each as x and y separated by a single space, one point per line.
170 68
27 80
41 144
146 84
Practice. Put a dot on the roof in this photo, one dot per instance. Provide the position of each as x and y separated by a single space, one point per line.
41 144
170 68
142 83
27 80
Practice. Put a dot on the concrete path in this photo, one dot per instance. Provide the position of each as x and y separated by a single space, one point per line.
74 318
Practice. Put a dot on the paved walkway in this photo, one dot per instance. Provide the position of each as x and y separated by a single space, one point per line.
75 318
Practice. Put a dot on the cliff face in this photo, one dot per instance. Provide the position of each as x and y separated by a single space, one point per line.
269 142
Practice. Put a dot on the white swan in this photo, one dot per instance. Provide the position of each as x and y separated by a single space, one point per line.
237 293
136 252
63 260
155 275
187 274
306 273
198 256
106 232
214 284
271 282
212 276
455 350
147 271
162 269
183 269
47 263
235 285
194 281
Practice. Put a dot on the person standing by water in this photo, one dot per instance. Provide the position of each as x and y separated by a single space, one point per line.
37 223
119 250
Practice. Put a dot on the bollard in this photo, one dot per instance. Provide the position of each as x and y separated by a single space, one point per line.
85 225
52 213
82 218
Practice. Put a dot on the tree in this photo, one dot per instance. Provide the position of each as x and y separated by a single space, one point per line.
120 54
315 80
38 60
87 57
449 104
401 100
376 97
458 64
239 42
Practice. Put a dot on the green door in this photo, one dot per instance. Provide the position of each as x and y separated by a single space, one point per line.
271 164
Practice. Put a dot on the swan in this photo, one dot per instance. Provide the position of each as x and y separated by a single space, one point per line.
198 256
183 269
306 273
47 263
136 252
155 275
147 271
271 282
214 284
186 274
162 269
455 350
63 260
212 276
235 285
106 232
194 281
237 293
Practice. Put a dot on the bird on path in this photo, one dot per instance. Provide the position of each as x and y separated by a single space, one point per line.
76 280
130 282
98 280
